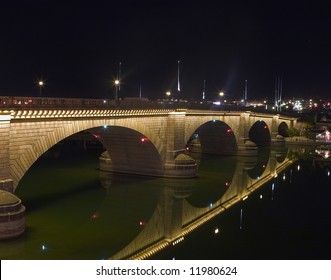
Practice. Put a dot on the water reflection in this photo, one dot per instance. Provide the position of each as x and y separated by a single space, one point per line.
178 215
82 213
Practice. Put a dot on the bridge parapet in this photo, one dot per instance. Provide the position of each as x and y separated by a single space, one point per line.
5 182
82 113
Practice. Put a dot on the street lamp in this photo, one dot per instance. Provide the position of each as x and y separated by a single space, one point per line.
40 84
168 93
116 82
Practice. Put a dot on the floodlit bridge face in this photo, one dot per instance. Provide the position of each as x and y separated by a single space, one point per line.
150 142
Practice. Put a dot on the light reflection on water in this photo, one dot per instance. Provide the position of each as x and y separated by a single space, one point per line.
76 212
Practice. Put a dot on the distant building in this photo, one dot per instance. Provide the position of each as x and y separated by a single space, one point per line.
323 121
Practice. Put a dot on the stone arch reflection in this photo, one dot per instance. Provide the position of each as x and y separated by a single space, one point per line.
220 171
175 217
281 153
261 163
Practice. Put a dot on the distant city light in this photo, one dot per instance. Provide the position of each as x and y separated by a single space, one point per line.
297 106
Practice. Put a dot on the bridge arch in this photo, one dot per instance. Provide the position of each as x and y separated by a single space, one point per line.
27 134
30 140
127 151
259 133
214 137
283 129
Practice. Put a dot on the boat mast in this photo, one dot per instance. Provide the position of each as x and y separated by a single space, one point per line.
204 90
245 94
178 83
119 75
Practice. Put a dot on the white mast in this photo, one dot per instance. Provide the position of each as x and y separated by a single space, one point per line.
119 76
178 83
245 93
278 93
204 90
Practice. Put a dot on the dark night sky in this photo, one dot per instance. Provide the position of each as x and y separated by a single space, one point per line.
77 46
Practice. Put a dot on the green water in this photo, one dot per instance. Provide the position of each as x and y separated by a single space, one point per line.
74 211
70 215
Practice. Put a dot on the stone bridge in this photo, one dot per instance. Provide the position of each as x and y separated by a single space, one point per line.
150 142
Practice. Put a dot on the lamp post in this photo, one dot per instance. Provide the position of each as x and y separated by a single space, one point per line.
221 94
116 82
40 84
168 94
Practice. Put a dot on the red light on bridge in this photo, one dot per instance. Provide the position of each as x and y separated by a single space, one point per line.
94 216
227 184
144 139
229 130
265 126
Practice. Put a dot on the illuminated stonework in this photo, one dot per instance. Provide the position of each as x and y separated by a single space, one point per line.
28 133
12 215
84 113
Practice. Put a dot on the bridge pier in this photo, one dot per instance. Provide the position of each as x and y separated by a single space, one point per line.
177 163
276 139
245 147
25 134
131 152
12 212
5 182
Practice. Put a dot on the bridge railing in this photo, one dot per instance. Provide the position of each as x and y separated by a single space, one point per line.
19 102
